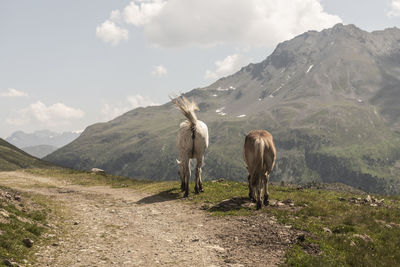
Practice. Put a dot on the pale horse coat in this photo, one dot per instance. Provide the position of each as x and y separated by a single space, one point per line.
192 143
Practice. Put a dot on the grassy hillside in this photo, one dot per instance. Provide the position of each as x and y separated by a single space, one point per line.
351 145
13 158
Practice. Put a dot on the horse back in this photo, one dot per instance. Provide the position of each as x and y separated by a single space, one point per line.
259 151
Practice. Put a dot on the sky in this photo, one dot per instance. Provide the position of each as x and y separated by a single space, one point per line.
65 65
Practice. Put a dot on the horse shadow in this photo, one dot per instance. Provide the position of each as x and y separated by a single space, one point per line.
235 203
163 196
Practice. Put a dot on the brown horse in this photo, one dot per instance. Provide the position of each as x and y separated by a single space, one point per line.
259 153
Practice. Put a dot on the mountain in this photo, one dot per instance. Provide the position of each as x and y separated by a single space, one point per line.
43 137
329 98
13 158
41 143
39 151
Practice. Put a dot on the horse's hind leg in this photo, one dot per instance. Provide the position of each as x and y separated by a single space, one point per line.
257 185
182 185
186 178
182 175
266 193
251 194
258 196
199 183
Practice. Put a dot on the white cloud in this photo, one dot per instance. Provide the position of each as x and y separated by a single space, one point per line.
246 23
56 114
116 16
109 32
227 66
241 22
159 71
140 101
141 12
56 111
11 92
394 8
111 111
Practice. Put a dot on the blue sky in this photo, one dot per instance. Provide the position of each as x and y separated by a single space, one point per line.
67 64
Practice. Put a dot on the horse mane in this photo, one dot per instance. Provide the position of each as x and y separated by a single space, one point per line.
187 107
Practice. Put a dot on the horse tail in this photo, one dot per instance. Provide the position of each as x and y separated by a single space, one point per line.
259 147
188 108
271 156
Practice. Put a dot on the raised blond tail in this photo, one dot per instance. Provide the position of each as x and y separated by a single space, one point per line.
187 107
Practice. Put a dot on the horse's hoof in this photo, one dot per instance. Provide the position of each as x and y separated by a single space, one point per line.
266 202
201 190
251 198
185 195
258 205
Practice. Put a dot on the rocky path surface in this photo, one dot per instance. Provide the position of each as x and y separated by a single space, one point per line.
106 226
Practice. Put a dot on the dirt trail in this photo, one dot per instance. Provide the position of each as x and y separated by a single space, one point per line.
124 227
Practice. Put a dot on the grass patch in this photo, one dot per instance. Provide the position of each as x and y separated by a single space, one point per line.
345 233
22 217
360 234
87 178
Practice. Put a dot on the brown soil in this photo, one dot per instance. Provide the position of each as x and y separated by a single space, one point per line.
104 226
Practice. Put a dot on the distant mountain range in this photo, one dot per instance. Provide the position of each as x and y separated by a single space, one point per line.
41 143
330 99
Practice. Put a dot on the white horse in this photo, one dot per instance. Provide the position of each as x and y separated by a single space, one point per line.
192 143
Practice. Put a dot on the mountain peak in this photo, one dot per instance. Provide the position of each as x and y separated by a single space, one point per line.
342 63
347 27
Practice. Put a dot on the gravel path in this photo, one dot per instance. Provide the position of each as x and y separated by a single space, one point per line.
107 226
